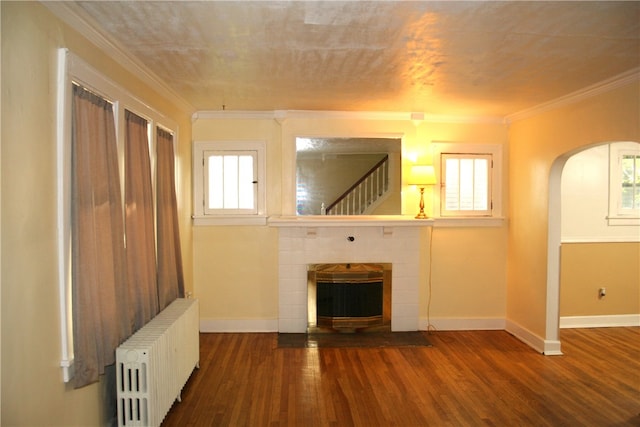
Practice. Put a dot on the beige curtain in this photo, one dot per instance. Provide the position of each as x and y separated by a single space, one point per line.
99 264
170 278
139 223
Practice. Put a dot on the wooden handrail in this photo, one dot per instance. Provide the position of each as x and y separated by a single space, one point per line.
358 182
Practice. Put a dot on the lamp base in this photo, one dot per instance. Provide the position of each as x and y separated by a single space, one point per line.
421 214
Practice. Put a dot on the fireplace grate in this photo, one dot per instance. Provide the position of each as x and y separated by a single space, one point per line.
349 296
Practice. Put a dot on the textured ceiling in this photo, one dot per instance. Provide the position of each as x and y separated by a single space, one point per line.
457 58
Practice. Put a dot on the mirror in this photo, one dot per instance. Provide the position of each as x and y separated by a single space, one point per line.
348 176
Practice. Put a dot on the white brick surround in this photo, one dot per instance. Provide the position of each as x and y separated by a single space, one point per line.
304 242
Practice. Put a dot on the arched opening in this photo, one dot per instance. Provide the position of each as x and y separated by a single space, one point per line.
554 247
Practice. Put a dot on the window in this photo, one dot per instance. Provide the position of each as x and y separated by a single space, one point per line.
75 78
469 180
229 182
630 186
465 184
624 184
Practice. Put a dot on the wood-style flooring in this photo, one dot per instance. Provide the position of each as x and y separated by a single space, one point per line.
470 378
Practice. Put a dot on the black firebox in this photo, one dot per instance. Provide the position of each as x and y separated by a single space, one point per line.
349 296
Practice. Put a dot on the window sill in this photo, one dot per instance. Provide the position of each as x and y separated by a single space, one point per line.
229 220
68 370
622 220
468 221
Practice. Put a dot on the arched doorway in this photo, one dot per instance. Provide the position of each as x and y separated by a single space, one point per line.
554 246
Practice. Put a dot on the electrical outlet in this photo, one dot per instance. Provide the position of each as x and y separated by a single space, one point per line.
602 292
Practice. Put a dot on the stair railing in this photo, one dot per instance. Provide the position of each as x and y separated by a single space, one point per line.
364 192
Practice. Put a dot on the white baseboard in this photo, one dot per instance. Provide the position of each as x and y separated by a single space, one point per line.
238 325
539 344
464 324
547 347
552 348
607 321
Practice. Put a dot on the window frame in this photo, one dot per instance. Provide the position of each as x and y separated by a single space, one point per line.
617 215
491 218
72 69
204 216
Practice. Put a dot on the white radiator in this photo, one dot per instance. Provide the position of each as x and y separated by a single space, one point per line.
155 363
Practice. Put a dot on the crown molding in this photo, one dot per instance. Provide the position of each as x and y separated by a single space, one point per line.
234 114
282 115
579 95
71 14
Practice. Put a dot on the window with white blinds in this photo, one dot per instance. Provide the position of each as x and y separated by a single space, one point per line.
468 190
624 184
465 184
630 185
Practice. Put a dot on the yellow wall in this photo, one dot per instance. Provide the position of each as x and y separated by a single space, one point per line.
236 268
534 144
469 275
587 267
33 392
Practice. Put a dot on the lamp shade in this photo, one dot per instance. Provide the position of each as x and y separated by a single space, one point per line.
422 175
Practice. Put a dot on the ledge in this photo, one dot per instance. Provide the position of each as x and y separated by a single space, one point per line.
229 220
453 222
349 221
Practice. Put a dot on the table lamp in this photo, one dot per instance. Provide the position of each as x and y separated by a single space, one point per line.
422 175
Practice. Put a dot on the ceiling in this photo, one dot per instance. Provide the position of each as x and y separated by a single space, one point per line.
457 58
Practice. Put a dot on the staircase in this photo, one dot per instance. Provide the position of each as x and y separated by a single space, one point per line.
365 194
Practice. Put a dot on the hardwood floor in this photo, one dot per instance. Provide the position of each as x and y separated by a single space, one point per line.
466 379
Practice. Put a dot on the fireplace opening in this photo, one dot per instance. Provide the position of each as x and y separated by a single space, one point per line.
349 297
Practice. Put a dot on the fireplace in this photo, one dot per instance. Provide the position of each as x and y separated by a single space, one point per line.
331 240
349 297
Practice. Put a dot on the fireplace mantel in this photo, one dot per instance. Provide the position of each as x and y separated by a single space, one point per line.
349 221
